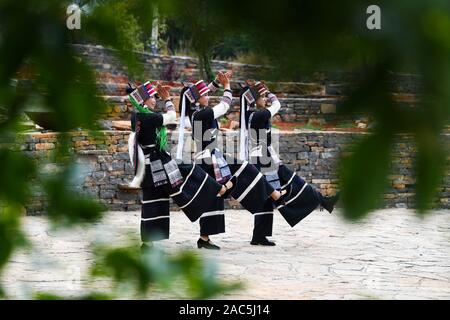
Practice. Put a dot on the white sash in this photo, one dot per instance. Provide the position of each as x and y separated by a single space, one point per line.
139 177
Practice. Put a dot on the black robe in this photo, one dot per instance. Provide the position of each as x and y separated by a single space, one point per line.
301 198
188 185
250 188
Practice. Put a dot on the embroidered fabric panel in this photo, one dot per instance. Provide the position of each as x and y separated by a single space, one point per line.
158 174
173 173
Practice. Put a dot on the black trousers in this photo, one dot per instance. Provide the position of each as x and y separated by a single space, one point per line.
196 197
263 221
155 214
263 224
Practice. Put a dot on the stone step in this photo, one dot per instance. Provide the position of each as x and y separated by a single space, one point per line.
114 92
160 66
110 69
284 99
401 84
293 109
281 88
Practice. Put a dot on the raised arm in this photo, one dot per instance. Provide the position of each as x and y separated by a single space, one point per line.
214 85
275 104
225 102
170 116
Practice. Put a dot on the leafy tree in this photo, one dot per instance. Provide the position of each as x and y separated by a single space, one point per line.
200 27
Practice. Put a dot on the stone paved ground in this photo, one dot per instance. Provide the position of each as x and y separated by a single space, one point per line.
390 255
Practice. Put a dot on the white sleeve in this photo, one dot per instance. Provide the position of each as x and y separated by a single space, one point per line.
170 116
275 106
224 104
220 109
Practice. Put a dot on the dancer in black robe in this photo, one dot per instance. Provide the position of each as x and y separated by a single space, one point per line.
256 145
243 180
159 176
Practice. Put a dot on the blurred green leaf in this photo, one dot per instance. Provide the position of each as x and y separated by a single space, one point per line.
15 172
123 265
11 235
299 38
90 296
155 269
66 207
430 168
113 24
364 175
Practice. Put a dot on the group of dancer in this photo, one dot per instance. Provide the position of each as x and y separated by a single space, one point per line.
257 179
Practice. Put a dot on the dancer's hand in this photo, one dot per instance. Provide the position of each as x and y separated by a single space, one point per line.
229 73
224 78
220 76
229 184
163 91
222 191
276 195
250 82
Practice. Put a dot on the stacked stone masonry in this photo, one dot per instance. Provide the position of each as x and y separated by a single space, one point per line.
103 163
313 96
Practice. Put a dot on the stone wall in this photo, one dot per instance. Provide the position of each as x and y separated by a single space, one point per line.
294 109
102 163
175 68
314 97
162 67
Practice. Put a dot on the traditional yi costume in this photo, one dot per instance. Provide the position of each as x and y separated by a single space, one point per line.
249 186
160 176
256 146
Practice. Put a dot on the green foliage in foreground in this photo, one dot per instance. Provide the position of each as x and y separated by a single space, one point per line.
142 275
184 273
297 37
35 44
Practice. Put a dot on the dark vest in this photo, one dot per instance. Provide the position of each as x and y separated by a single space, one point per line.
204 137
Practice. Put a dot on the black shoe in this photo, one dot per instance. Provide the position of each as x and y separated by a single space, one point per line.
263 241
206 244
328 203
